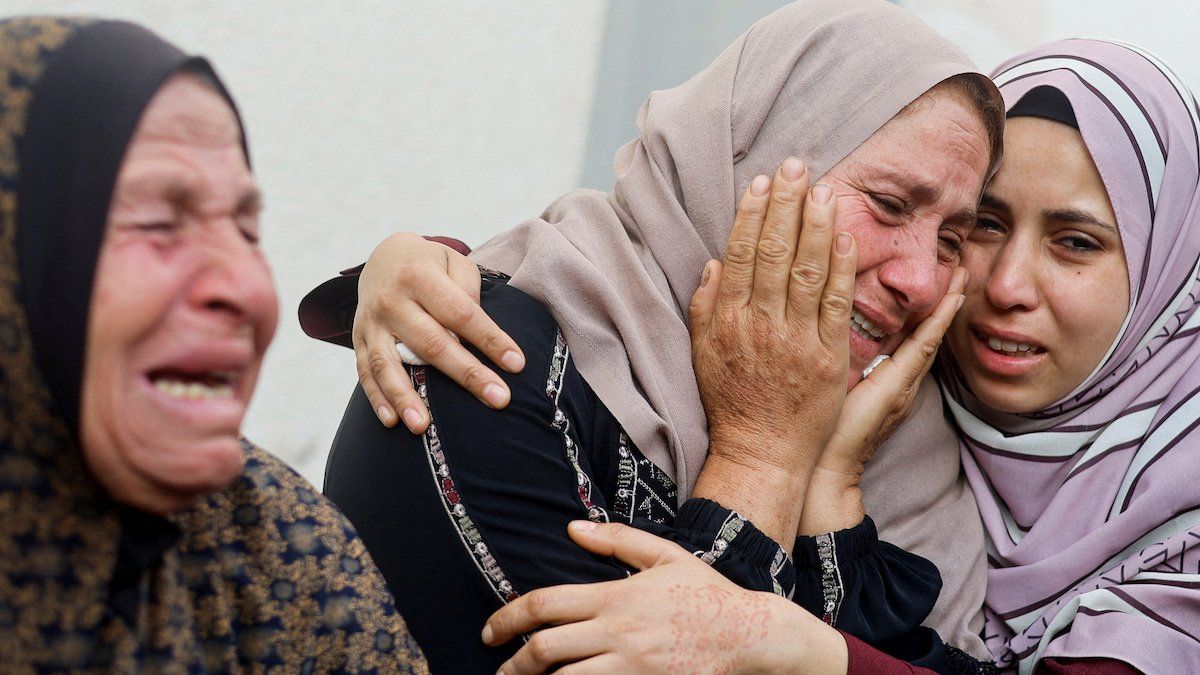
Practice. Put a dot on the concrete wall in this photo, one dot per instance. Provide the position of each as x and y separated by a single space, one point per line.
993 30
463 117
453 116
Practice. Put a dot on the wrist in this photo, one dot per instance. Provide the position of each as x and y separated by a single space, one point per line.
759 450
797 642
767 495
832 502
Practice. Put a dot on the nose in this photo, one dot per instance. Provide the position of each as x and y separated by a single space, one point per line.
1011 282
234 282
912 272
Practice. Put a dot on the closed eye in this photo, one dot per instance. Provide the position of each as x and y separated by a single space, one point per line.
890 204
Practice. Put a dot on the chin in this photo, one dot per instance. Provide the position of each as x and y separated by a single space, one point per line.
167 477
1007 398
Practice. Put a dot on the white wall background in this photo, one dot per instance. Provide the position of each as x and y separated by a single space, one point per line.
462 117
453 116
993 30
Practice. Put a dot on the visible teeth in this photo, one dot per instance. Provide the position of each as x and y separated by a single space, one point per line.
865 328
996 344
193 390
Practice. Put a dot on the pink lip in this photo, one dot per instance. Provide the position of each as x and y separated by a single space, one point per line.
1000 364
881 320
232 358
1006 335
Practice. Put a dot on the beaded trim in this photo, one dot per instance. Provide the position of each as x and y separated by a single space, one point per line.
554 386
472 539
777 567
832 590
729 531
627 479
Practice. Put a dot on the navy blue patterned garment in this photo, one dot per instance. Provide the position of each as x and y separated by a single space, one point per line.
475 511
263 576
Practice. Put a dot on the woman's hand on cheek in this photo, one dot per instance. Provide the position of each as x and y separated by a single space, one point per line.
770 346
426 296
676 615
874 408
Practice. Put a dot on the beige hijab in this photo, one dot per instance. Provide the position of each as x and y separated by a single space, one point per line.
617 270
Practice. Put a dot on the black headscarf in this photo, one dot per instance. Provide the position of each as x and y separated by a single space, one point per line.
84 109
264 574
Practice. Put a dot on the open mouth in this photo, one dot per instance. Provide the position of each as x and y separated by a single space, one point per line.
865 328
195 386
1007 347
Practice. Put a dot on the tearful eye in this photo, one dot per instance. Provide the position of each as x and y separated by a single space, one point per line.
157 227
1079 244
889 204
949 246
987 227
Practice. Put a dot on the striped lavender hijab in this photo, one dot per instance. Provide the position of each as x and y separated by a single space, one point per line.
1092 506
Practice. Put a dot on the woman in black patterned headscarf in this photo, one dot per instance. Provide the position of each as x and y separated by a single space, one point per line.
138 531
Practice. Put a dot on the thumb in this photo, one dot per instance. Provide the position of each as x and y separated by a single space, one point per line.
627 544
704 300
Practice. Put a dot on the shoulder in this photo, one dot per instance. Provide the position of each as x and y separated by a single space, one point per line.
292 556
275 517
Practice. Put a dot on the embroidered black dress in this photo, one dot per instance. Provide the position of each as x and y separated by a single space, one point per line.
474 512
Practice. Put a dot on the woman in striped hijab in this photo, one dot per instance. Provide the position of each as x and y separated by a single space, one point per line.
1076 361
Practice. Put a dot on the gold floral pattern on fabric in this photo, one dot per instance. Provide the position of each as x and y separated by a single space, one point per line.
266 576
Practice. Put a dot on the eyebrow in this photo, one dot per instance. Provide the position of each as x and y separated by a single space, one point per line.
1077 216
1067 215
925 194
993 202
183 191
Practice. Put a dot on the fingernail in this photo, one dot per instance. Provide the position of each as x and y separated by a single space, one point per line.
821 193
495 395
386 415
412 418
512 361
961 298
487 633
842 244
760 185
581 525
792 169
707 273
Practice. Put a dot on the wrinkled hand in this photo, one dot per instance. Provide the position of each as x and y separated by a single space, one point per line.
770 328
873 410
770 348
676 615
424 294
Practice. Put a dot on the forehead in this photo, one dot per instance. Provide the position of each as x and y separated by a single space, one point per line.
941 139
186 110
188 133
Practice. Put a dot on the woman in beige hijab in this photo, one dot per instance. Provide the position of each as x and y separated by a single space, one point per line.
606 422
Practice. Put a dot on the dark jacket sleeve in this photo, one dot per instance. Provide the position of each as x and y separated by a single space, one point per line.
474 512
327 312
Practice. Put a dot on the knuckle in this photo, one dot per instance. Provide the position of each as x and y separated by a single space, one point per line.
929 348
377 363
774 250
492 342
836 305
541 647
789 197
474 376
460 313
535 605
808 275
434 345
740 252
